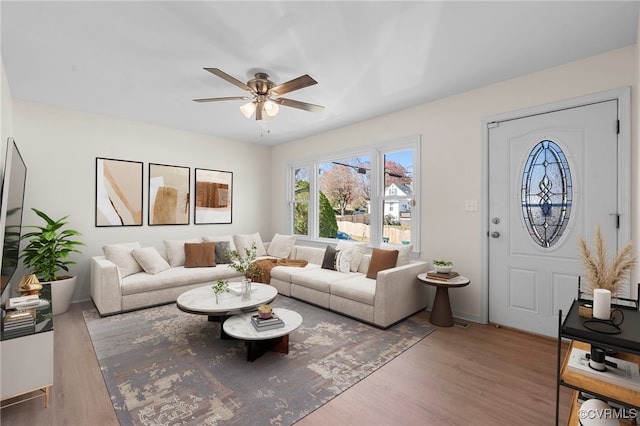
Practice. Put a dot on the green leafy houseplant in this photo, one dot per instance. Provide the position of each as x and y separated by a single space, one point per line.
245 264
219 287
49 247
442 263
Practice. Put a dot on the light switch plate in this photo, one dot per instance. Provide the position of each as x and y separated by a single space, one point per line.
471 205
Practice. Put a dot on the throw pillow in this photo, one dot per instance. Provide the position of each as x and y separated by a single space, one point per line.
343 260
404 252
120 255
281 245
150 260
222 252
329 261
219 238
246 241
381 260
198 255
358 251
175 250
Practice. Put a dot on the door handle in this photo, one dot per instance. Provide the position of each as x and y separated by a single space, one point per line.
495 234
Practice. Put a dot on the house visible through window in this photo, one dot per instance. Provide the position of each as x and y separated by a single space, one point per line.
368 195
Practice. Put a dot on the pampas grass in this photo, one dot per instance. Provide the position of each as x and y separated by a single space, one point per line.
599 272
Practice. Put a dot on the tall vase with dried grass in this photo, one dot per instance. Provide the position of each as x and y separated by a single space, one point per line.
602 273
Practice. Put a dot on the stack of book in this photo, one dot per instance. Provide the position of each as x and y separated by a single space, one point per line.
18 323
442 276
23 302
262 324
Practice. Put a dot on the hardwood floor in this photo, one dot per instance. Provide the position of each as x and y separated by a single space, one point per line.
480 375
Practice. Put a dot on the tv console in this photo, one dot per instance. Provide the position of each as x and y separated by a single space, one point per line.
27 361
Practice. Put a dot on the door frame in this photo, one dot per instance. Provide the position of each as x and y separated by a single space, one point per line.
623 96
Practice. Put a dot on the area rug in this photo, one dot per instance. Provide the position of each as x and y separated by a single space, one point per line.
166 367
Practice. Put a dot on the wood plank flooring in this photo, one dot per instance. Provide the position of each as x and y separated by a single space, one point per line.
480 375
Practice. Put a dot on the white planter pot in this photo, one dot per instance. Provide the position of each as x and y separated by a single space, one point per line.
61 294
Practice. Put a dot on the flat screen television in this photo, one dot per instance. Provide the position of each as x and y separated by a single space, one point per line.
13 186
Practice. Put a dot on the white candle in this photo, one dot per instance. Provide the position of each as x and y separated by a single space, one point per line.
601 303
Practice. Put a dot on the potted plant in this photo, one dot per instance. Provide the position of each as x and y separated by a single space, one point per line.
443 266
47 253
602 273
245 265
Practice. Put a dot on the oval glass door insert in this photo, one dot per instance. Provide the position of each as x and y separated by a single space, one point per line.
546 193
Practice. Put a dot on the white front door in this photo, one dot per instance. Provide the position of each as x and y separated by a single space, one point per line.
552 178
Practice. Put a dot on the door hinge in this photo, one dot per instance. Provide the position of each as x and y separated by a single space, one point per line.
492 125
618 127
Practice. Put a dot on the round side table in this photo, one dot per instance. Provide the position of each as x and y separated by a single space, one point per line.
441 311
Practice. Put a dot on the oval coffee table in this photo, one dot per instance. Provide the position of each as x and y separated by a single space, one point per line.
259 342
202 301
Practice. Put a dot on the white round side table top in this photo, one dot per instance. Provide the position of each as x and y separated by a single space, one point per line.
240 327
202 300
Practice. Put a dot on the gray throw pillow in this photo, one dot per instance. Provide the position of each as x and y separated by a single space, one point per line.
222 252
329 261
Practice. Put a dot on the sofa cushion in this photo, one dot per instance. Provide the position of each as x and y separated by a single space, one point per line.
360 289
358 251
176 277
404 252
198 255
175 250
320 279
330 257
281 245
244 242
381 260
150 260
120 255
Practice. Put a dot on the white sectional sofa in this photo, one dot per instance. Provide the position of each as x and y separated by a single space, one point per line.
393 295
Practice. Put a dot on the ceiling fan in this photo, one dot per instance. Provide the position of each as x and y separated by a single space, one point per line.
265 94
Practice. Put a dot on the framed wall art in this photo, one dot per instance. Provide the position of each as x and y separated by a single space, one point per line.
118 192
168 194
213 196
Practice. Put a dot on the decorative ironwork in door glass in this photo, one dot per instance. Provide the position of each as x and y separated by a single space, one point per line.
546 193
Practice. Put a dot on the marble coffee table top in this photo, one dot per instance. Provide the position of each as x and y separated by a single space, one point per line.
202 300
239 326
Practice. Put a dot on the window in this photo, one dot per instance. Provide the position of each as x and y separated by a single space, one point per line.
300 201
546 193
366 195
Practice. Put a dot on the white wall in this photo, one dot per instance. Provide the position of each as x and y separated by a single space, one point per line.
6 114
60 148
451 155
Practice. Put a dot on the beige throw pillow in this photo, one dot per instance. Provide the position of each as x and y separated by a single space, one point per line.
404 252
150 260
246 241
120 255
358 251
175 250
281 245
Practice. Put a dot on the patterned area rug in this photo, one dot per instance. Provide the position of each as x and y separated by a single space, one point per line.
166 367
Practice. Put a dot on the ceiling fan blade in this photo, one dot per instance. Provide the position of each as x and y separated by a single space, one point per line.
259 109
230 98
300 105
291 85
223 75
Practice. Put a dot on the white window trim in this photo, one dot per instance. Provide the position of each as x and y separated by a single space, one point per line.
376 152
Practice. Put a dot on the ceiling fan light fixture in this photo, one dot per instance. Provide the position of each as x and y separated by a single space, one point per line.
271 108
248 109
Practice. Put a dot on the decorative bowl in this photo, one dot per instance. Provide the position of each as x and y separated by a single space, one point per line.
443 269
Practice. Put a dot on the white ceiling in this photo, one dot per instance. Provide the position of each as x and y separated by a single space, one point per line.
143 60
